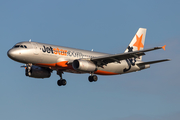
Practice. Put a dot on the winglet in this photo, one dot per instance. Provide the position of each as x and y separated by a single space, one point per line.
163 47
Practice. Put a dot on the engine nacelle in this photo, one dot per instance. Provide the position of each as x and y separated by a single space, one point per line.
38 72
84 65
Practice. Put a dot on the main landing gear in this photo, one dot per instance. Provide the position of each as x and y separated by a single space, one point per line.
61 81
93 78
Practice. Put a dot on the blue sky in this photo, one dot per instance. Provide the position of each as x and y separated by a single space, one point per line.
105 26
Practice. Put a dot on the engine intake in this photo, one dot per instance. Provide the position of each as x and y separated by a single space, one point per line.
84 65
38 72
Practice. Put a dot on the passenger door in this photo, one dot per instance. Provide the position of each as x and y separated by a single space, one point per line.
35 47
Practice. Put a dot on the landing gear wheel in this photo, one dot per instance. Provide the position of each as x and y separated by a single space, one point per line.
93 78
61 82
90 79
28 70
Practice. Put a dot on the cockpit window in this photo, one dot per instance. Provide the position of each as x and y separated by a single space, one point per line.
21 46
16 46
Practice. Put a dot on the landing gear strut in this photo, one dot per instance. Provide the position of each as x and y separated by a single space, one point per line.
28 69
61 81
93 78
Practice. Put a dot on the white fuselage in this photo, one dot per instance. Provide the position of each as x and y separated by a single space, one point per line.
60 58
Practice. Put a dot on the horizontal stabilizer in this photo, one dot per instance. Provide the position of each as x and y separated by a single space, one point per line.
152 62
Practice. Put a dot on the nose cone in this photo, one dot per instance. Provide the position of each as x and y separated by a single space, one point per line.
12 54
17 55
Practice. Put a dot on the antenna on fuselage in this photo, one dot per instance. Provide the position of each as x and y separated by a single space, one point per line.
92 50
30 40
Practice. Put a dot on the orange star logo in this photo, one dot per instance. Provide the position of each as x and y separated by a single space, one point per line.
138 42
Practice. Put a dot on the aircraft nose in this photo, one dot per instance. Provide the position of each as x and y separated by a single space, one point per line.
11 53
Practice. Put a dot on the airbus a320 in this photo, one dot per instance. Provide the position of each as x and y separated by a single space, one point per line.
41 59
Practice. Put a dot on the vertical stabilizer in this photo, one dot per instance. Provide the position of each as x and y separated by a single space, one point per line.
137 42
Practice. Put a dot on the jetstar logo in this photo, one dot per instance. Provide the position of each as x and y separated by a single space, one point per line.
69 53
60 51
138 42
47 49
54 50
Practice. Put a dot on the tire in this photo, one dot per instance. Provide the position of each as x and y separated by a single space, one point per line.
59 83
63 82
95 78
90 79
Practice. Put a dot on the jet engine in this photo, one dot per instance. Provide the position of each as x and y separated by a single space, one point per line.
84 65
38 72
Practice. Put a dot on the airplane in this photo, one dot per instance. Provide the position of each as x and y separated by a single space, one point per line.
41 59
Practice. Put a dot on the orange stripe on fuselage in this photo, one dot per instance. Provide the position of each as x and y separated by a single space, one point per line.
101 72
63 64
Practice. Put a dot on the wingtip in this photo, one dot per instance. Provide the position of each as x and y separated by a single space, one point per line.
163 47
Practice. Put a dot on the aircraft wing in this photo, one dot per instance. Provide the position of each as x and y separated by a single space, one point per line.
104 60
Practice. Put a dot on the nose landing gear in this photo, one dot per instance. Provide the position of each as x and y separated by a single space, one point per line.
28 69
